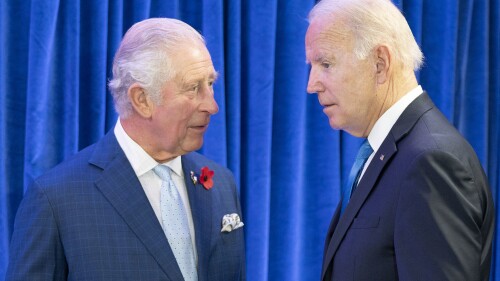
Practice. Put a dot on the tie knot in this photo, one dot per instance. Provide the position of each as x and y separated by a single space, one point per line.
365 150
163 172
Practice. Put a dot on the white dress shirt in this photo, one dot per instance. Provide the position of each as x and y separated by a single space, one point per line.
143 165
385 123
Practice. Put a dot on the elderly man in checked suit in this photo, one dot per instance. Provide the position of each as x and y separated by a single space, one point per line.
104 214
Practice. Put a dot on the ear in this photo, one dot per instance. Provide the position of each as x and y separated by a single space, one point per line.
383 63
140 101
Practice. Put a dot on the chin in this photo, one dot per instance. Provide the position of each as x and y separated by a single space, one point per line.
335 125
192 146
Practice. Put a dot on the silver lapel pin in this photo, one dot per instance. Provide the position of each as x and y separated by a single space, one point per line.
194 178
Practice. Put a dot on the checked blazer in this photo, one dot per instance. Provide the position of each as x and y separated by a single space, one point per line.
89 219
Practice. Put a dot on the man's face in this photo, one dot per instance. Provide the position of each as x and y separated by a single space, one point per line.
181 119
344 84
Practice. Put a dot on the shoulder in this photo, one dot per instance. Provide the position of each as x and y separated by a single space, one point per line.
433 150
439 160
434 134
76 174
85 163
75 167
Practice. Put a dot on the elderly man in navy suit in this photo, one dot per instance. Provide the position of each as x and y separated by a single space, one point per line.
139 204
417 205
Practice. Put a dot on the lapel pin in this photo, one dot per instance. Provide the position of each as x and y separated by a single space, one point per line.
194 178
382 157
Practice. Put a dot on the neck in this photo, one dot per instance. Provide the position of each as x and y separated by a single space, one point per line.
395 88
391 92
138 130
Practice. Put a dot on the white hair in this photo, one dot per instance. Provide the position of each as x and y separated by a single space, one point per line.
373 23
145 57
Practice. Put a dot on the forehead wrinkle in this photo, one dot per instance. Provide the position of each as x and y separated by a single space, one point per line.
324 49
331 47
336 33
197 71
331 35
335 36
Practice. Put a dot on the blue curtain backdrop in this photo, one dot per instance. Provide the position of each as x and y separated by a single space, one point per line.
55 59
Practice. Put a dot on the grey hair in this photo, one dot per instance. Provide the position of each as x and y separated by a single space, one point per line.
373 23
145 57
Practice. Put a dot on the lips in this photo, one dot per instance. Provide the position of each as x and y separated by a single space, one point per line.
199 127
199 123
324 103
329 109
327 105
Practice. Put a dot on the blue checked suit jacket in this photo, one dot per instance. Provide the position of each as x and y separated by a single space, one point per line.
89 219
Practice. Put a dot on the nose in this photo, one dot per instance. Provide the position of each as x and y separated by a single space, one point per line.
209 104
212 107
313 85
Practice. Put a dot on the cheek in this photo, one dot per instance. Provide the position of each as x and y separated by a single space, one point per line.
171 119
183 117
180 123
179 110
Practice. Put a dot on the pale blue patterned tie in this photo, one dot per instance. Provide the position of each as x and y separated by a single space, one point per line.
363 153
175 224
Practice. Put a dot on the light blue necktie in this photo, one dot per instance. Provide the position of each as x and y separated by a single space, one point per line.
175 224
363 153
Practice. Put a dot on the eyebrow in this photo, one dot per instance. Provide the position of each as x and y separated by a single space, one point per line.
214 75
319 57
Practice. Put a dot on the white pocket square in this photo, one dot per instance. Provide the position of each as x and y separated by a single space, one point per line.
231 222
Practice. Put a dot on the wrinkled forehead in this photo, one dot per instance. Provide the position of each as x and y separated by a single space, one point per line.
325 35
193 61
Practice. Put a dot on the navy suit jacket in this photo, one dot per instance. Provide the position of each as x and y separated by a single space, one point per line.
89 219
422 210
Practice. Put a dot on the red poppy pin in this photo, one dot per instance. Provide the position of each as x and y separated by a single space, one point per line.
205 178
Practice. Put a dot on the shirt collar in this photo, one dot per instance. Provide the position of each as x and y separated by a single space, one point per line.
139 159
176 166
385 123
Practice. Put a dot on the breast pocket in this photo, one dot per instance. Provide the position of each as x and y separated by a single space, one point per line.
365 222
231 238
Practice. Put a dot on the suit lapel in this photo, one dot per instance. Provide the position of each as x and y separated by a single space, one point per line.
382 156
122 188
365 186
200 201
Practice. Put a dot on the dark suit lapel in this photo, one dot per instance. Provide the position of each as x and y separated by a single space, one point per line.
386 151
381 158
122 188
200 201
